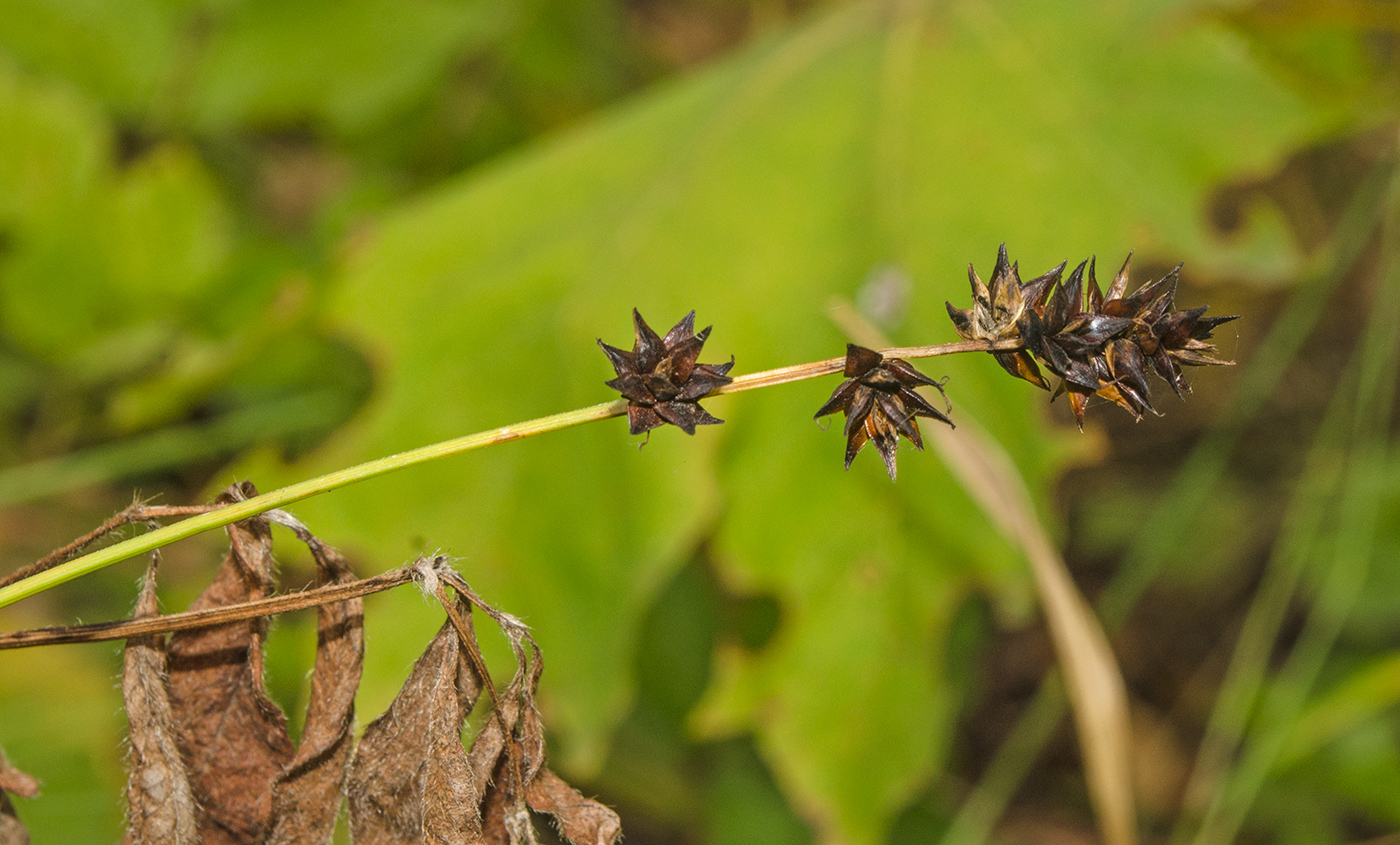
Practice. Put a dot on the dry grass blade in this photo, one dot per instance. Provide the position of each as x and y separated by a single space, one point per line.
306 797
1095 685
160 802
410 781
170 622
14 781
1096 691
233 737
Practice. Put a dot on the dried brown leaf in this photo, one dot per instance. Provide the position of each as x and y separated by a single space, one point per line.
580 820
512 746
518 826
12 780
517 717
233 738
160 802
505 817
410 781
306 797
493 817
504 805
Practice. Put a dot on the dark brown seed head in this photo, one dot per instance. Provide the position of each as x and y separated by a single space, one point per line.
880 404
999 312
661 379
1120 336
1097 343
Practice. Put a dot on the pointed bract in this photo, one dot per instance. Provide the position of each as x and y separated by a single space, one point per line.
661 379
880 404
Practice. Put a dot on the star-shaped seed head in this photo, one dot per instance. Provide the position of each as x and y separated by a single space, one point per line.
880 404
660 377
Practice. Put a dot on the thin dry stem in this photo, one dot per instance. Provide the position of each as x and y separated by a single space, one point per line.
831 366
135 513
467 635
100 631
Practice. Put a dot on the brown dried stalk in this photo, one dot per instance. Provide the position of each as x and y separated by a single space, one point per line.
190 619
137 512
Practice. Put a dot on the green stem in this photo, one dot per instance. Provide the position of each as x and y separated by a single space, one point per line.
118 552
94 561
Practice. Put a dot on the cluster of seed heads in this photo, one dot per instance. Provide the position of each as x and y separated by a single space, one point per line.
1095 343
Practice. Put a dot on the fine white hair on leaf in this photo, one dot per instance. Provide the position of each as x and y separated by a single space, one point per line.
507 620
426 575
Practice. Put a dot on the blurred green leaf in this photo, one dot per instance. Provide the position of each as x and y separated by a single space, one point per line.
743 804
346 65
59 711
754 192
169 231
1363 770
53 151
102 288
1338 51
221 65
121 52
1370 691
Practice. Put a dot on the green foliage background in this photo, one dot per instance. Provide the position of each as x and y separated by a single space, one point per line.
267 240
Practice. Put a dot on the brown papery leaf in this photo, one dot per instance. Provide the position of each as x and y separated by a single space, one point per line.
493 815
160 802
580 820
410 781
526 735
12 780
233 738
506 817
306 797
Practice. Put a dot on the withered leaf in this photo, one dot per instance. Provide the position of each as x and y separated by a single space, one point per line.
517 718
410 781
233 738
306 796
580 820
493 814
506 815
160 801
14 781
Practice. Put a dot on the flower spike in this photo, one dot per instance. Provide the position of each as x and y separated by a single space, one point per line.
1097 343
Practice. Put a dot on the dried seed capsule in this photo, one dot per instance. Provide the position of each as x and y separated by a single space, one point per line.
1098 344
880 404
660 377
